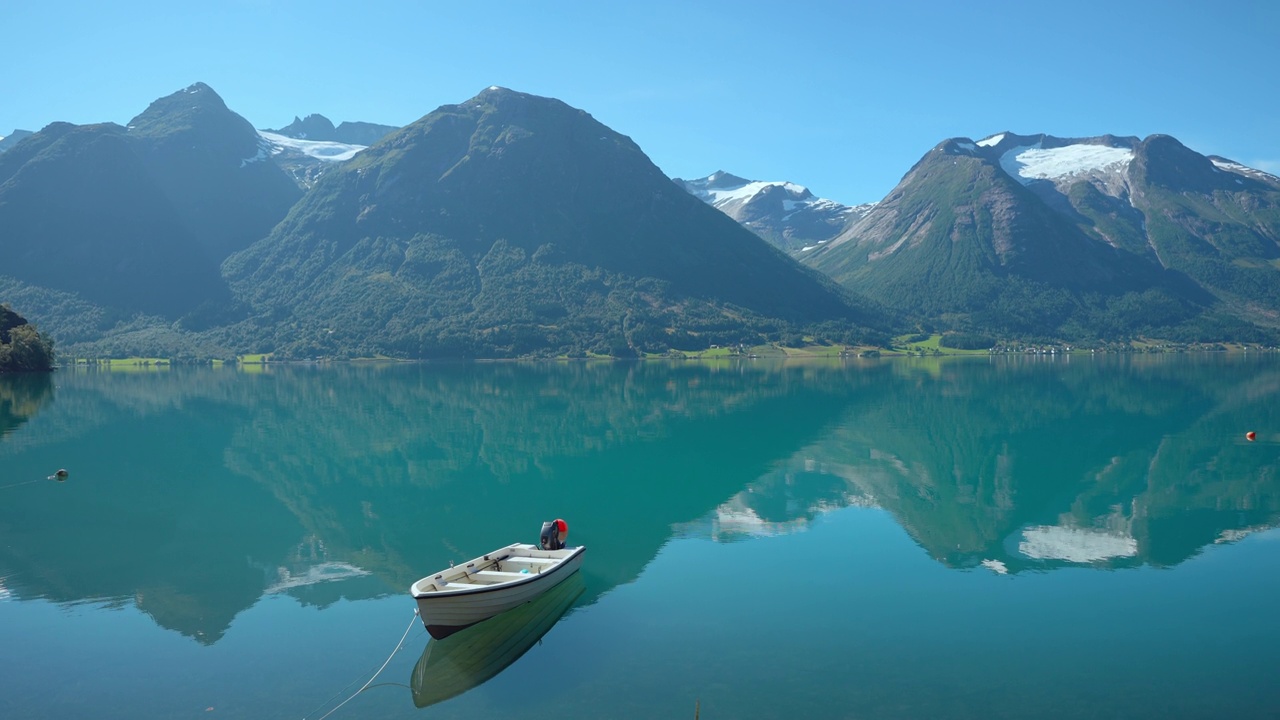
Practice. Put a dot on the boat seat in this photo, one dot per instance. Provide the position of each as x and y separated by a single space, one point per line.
531 560
457 585
498 576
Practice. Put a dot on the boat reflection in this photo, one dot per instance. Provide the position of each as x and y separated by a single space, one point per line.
470 657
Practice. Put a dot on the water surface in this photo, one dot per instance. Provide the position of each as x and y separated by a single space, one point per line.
970 538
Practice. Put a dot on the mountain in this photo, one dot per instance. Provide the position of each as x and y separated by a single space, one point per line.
1079 238
319 127
213 169
787 215
13 138
514 224
137 218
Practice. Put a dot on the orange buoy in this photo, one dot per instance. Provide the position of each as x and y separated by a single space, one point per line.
1251 436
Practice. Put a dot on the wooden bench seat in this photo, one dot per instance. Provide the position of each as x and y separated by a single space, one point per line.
498 576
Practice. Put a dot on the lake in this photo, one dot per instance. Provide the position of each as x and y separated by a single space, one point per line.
1007 537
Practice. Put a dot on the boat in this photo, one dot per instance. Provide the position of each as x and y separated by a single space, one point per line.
471 657
508 577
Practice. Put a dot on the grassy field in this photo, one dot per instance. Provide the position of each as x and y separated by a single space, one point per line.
908 345
122 363
904 345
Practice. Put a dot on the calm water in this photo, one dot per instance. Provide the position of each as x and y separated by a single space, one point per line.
1009 538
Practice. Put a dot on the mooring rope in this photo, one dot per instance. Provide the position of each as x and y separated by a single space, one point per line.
59 476
370 681
6 487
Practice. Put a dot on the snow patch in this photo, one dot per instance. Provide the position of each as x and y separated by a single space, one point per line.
996 567
752 189
967 146
991 141
1077 545
1236 535
314 575
318 149
1032 162
263 148
1239 169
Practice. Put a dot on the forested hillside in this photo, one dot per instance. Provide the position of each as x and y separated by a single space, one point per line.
22 347
511 225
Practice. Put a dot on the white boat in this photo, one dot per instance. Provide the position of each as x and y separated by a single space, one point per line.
463 595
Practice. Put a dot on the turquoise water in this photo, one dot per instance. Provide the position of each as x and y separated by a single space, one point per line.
908 538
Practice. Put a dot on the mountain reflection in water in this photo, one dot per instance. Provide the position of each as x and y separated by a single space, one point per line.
1033 465
193 490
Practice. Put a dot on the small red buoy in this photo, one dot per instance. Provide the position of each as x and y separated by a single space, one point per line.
1251 436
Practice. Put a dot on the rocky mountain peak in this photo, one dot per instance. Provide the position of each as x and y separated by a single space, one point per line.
195 120
312 127
1164 161
13 138
192 99
722 179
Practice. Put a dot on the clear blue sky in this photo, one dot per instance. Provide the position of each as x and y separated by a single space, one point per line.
842 97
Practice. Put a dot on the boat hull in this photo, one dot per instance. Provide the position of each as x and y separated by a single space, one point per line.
444 613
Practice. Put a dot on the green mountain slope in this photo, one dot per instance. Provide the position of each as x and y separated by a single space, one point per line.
1214 220
513 224
138 219
1037 236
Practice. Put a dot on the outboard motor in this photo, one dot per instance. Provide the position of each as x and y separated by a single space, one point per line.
553 534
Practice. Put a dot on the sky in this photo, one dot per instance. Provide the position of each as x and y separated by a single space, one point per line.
842 97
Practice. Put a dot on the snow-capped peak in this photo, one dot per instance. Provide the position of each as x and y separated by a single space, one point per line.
721 188
784 213
991 141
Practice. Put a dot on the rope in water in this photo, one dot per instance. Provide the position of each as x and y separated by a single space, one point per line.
375 675
28 482
59 476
